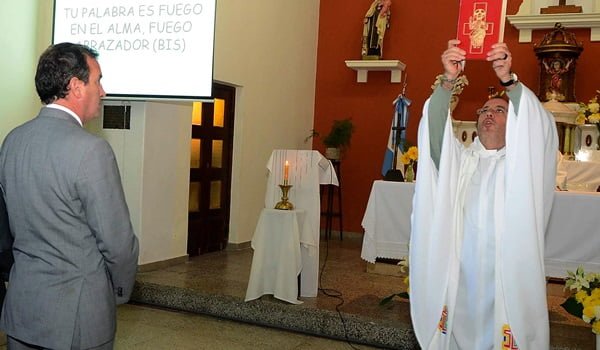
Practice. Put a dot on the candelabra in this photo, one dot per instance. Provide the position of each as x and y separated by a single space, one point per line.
284 204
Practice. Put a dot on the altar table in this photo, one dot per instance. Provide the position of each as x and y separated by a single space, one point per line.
580 174
572 237
277 259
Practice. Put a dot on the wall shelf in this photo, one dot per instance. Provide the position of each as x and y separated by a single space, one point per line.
526 23
362 68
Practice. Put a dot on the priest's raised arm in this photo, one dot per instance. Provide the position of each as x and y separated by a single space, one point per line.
480 212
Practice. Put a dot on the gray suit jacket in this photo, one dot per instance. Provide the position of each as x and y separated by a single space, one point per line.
6 241
74 247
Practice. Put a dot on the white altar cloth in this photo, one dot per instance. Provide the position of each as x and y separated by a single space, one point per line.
572 237
277 261
581 175
573 234
387 221
307 169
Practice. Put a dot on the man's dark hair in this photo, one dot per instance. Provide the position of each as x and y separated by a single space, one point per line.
57 65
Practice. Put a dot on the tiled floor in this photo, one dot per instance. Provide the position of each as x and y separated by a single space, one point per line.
145 328
141 327
343 271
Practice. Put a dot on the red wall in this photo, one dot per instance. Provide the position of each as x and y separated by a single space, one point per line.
418 33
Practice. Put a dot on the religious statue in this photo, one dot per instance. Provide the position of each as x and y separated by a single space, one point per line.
556 69
376 22
557 54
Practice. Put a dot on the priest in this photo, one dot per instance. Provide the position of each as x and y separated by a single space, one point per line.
477 243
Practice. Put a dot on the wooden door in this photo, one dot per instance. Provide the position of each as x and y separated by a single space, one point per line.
210 172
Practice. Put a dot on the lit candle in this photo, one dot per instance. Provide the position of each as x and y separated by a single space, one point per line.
286 172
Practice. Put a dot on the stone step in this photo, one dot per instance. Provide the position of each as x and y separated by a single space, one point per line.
270 312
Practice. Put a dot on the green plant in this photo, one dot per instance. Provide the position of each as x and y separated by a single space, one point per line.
340 134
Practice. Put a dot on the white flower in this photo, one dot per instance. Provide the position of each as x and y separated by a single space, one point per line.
589 113
403 264
578 280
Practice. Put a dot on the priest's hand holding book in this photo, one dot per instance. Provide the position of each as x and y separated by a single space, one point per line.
501 59
453 61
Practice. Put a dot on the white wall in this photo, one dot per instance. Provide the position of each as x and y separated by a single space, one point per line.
166 174
128 148
268 49
19 38
154 161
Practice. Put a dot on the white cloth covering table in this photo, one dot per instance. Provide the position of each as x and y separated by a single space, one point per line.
573 234
580 175
387 220
277 260
572 237
307 169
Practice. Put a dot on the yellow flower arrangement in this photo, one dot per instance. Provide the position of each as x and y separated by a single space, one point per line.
585 299
410 157
589 113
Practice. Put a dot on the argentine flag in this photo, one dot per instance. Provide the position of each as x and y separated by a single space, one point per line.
397 133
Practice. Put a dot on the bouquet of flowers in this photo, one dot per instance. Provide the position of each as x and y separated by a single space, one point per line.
589 113
410 157
584 301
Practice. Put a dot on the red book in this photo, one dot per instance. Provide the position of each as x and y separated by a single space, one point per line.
480 25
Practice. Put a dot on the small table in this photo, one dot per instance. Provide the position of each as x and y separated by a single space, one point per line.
277 259
307 170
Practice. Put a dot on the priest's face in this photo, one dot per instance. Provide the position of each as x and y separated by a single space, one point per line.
491 123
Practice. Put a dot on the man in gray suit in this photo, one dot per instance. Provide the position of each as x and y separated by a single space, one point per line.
75 253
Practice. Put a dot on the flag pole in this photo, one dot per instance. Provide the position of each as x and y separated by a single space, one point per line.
401 104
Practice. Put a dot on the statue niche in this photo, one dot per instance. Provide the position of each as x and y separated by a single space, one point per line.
375 24
557 54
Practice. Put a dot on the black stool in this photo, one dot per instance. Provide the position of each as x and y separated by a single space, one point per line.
329 212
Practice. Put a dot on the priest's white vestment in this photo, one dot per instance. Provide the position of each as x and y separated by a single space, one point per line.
523 190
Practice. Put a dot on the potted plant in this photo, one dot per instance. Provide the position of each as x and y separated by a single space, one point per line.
338 139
